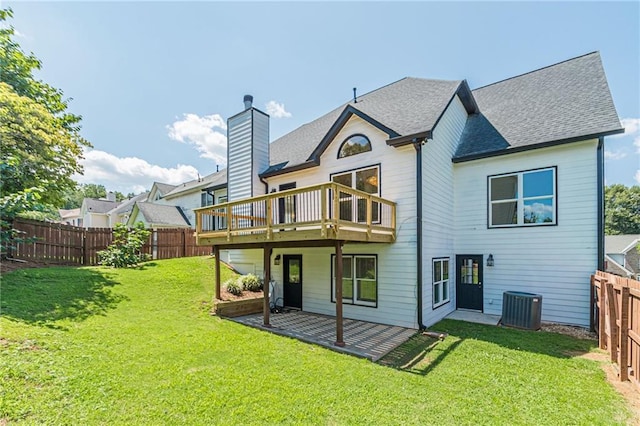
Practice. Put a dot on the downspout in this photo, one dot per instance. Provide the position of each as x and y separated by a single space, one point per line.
266 185
600 226
418 146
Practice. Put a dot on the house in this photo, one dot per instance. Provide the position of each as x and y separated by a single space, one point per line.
121 213
172 206
423 197
70 217
622 256
94 213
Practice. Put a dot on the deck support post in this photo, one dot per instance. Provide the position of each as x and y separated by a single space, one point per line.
266 284
339 323
216 253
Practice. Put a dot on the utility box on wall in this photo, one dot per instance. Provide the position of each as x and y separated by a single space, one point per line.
521 310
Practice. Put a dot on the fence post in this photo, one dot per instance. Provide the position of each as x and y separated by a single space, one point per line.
184 242
85 250
624 334
593 304
602 311
613 326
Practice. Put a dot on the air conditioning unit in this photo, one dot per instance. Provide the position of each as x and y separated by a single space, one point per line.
521 310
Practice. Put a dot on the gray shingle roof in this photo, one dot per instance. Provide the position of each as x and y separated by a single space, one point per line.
408 106
214 179
617 243
127 205
99 206
158 214
164 188
567 100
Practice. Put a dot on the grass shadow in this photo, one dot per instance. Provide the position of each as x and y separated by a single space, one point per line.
48 295
421 354
541 342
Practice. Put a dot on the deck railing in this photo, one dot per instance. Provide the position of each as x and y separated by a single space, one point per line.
330 209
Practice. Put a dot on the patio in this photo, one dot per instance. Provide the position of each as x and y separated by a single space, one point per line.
362 339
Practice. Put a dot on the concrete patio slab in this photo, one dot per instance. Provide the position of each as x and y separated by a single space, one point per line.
474 316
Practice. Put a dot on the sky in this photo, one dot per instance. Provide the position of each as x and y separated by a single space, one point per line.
155 82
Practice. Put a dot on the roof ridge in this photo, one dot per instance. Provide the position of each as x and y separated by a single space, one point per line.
536 70
398 81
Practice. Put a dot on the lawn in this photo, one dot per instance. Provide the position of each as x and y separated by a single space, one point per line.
138 346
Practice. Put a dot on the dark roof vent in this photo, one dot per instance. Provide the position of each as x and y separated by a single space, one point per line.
248 101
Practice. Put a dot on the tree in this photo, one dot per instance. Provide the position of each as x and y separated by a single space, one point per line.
36 151
622 209
16 69
41 146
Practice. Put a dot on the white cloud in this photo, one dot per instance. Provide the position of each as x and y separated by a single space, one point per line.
129 174
637 176
276 110
609 155
631 126
199 131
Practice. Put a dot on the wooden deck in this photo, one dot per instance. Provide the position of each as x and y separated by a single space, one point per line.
325 212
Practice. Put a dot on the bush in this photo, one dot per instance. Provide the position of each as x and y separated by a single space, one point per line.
251 283
126 247
233 287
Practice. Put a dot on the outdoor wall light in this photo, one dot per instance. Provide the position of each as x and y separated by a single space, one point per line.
276 261
490 260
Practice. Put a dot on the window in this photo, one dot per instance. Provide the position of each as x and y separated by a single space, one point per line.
206 199
366 180
359 280
355 144
523 198
440 282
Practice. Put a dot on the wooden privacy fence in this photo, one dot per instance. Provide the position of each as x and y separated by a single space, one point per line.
66 244
616 319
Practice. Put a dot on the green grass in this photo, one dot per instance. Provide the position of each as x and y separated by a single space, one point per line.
137 346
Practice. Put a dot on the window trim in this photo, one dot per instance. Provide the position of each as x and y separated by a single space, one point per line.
353 174
520 199
347 140
434 282
354 300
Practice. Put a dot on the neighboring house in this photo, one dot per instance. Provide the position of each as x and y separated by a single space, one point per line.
95 213
121 213
70 217
436 198
183 198
622 256
158 216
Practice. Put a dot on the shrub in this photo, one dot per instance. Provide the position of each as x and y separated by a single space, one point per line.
251 283
233 287
126 247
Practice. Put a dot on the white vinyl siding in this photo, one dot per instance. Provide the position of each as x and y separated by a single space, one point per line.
438 204
397 262
239 172
554 261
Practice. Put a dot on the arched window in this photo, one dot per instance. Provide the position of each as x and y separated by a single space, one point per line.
354 145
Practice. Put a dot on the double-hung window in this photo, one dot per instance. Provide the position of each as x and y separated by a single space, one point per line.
440 282
354 208
359 279
523 198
